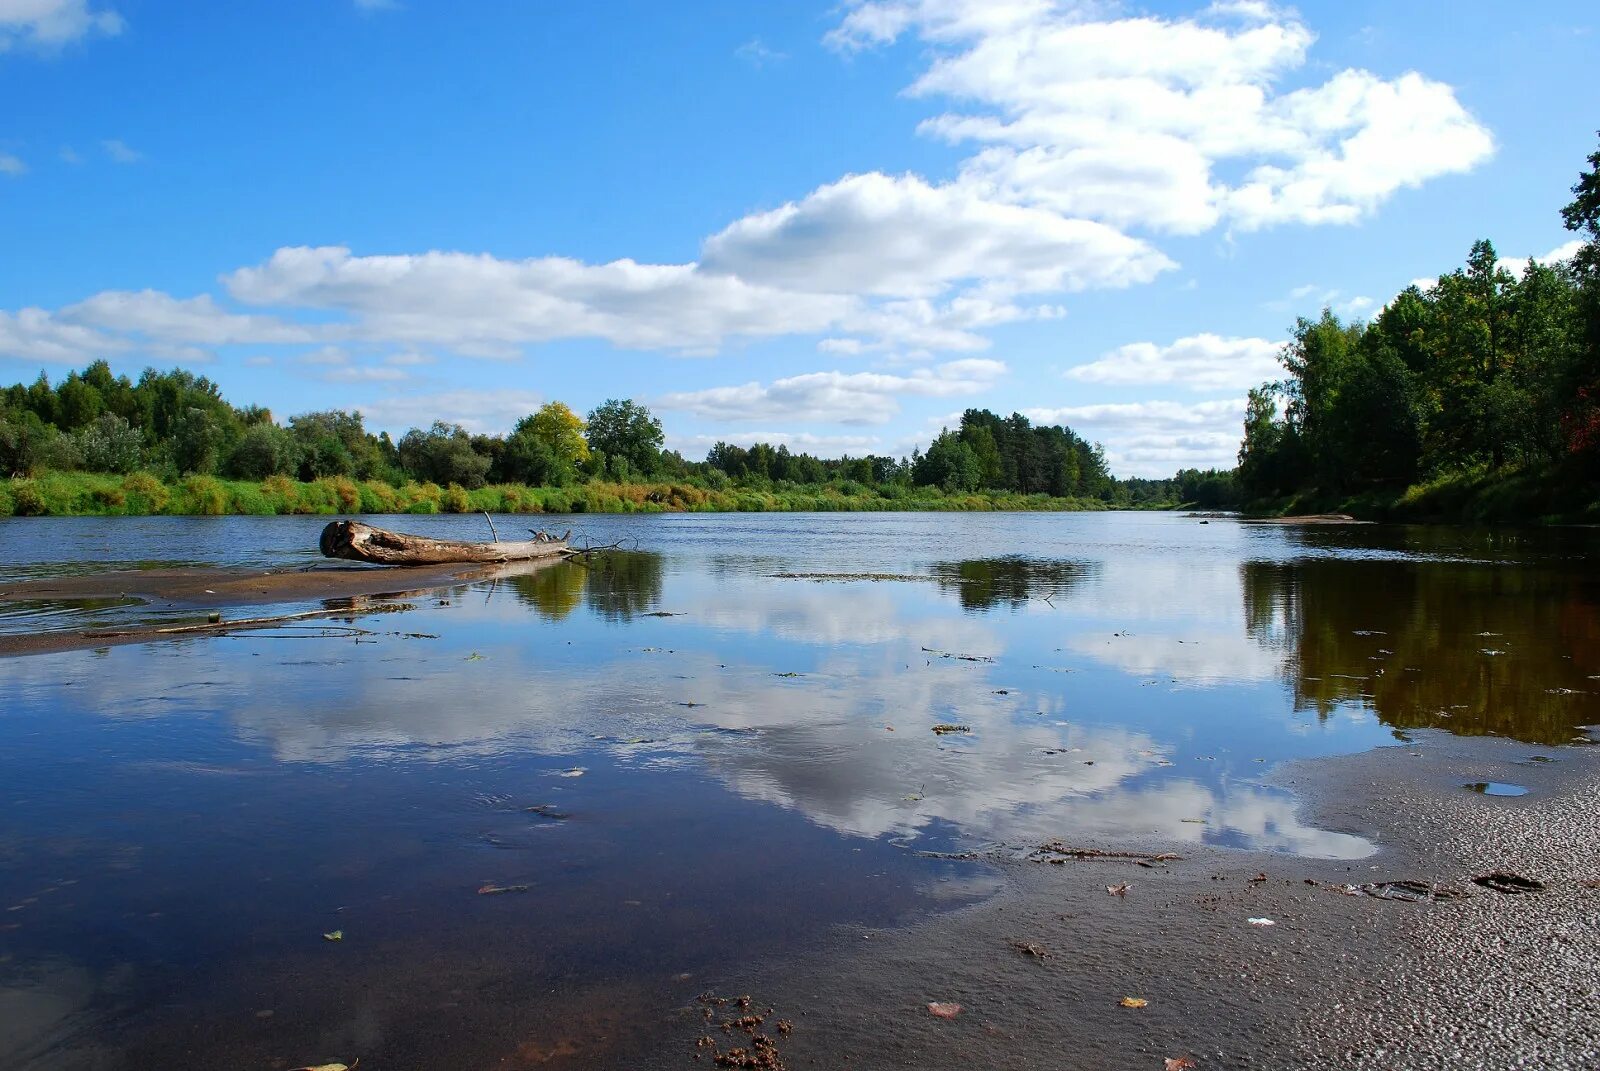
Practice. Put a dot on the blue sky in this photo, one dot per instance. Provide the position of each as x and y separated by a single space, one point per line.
835 225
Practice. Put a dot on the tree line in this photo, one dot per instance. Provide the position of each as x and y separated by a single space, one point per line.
1486 371
175 424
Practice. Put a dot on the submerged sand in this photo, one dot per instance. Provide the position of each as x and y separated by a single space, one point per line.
1487 981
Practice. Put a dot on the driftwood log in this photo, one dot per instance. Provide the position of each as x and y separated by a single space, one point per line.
354 541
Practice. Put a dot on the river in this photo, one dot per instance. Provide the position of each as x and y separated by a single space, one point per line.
583 792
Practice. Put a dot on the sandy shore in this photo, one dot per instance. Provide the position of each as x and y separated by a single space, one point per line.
1487 981
233 594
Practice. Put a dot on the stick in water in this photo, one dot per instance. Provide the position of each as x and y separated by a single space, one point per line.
491 525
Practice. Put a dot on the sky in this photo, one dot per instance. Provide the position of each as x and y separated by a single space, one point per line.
833 225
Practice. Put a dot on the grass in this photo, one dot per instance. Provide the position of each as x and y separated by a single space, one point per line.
83 494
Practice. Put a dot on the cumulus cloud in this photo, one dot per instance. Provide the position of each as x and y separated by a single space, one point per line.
479 411
1156 438
900 235
798 441
1203 362
492 306
1136 120
35 335
45 25
835 397
198 321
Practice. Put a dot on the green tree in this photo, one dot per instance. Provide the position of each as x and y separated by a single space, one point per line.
108 444
629 436
562 431
264 450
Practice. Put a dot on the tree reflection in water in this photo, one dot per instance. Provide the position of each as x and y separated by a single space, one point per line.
1469 647
617 585
984 583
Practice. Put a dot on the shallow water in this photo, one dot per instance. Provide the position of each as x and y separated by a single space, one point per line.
184 821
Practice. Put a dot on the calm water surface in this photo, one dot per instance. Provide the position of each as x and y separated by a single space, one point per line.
710 750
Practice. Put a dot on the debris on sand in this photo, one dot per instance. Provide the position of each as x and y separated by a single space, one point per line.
496 890
1179 1063
1261 922
1411 892
760 1053
959 657
1118 890
945 728
1133 1002
336 935
943 1009
548 811
1504 881
1033 950
1056 852
330 1067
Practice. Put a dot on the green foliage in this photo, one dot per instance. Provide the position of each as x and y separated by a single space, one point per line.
444 454
628 435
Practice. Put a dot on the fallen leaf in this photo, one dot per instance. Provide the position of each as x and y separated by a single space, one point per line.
1133 1002
1118 890
943 1009
1261 922
336 935
1179 1063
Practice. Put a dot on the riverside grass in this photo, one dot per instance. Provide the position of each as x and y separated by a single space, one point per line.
141 494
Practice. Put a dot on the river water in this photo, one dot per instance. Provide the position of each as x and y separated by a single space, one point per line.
709 750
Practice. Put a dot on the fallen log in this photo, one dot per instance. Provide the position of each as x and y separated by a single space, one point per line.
354 541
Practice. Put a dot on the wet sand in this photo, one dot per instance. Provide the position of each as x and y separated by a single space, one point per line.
222 590
1488 981
1307 518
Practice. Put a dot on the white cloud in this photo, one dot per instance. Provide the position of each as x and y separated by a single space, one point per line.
121 152
901 236
835 397
35 335
756 53
696 446
1135 120
352 373
198 321
485 305
12 165
1203 362
479 411
1156 438
46 25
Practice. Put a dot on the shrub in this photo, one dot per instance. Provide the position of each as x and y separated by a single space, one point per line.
145 493
26 499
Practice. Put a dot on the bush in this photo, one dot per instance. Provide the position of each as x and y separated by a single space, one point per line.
27 500
145 494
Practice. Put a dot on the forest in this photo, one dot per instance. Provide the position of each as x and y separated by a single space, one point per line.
1476 394
169 441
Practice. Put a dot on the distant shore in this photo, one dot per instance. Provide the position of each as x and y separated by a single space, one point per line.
81 494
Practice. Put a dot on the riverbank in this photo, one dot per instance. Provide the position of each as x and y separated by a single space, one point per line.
1513 497
81 494
1040 972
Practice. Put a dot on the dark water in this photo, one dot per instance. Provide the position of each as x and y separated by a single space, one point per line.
182 822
